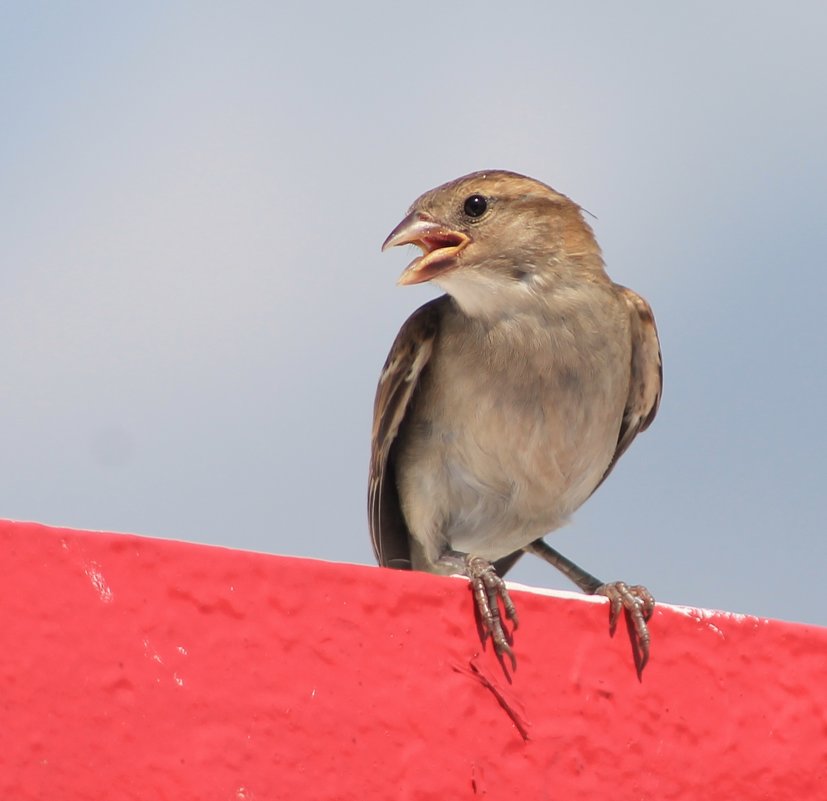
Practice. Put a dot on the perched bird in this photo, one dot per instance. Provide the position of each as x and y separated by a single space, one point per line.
506 402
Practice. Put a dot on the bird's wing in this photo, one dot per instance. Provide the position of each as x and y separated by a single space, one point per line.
407 359
646 377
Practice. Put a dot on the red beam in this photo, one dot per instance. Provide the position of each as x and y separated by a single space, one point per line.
134 668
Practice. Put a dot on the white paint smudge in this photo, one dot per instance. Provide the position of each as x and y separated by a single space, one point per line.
95 575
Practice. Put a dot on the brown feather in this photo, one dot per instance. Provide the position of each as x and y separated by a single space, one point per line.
646 377
407 359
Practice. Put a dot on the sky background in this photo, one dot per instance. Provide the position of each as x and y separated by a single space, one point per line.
194 309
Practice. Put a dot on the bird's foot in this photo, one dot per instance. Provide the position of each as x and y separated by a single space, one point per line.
489 589
639 605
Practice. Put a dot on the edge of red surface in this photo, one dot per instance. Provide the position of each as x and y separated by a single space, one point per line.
142 668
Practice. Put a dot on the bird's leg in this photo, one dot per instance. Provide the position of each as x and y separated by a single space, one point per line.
586 581
636 600
489 589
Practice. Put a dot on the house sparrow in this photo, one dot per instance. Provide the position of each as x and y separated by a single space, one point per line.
506 402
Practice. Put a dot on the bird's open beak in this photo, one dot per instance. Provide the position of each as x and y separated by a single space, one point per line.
439 246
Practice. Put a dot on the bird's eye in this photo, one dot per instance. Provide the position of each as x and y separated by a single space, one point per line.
475 206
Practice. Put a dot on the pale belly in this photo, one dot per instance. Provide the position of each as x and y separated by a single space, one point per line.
499 463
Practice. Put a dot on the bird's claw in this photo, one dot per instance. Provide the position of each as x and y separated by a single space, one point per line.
489 589
639 605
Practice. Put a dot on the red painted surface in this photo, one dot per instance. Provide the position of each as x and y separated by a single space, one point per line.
133 668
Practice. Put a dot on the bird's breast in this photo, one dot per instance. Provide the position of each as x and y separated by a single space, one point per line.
511 431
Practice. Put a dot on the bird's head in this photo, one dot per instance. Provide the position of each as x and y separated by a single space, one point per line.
495 231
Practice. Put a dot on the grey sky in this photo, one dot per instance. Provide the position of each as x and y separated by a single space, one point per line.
194 309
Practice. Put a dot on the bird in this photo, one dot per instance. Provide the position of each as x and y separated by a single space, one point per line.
506 402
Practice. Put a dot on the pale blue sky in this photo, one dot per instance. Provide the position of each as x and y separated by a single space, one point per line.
194 309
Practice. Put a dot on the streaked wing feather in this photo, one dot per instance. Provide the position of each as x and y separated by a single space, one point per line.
646 379
400 376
